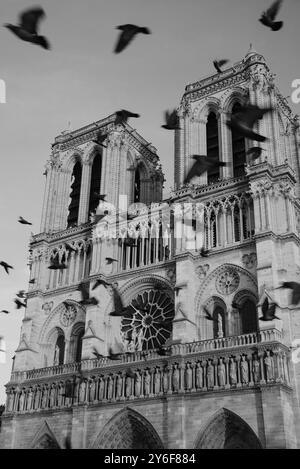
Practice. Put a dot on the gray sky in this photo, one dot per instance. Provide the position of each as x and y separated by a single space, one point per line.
81 80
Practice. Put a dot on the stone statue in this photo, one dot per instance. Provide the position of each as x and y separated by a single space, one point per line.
175 378
59 395
220 326
21 400
45 397
52 395
221 373
166 380
10 401
188 377
147 381
232 371
101 388
244 371
82 387
269 363
210 375
56 356
139 340
119 386
29 399
199 376
128 386
137 384
256 370
92 390
157 382
110 388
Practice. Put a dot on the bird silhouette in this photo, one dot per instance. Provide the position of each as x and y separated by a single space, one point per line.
114 356
27 30
177 288
119 308
204 252
23 221
110 260
83 287
32 281
254 153
244 120
208 316
123 116
268 310
100 139
172 120
202 164
97 354
128 32
6 266
5 311
19 304
268 17
100 281
220 63
21 294
295 287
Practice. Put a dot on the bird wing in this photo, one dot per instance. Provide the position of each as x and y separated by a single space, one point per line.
274 9
118 303
173 118
125 38
29 19
222 62
265 306
198 168
251 114
84 289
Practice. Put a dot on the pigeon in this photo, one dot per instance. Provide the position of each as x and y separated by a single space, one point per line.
19 304
99 282
32 281
268 17
56 265
244 120
27 30
70 248
254 153
204 252
208 316
202 164
6 266
295 287
5 311
86 299
172 120
23 221
268 310
110 260
21 294
220 63
178 288
123 116
120 310
100 139
128 32
114 356
97 354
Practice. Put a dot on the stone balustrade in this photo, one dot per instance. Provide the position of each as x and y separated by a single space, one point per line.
94 381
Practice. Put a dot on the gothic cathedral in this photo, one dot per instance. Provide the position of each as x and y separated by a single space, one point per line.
192 272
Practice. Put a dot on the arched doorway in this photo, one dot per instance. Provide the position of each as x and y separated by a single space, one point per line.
226 430
128 430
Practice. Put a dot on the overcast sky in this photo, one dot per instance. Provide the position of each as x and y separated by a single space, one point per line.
80 80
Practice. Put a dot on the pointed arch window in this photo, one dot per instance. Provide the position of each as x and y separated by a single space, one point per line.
137 185
75 195
59 350
238 148
95 183
212 143
248 317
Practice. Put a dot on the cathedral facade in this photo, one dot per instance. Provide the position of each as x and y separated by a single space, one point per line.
229 380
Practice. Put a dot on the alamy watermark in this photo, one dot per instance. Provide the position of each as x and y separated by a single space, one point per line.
295 96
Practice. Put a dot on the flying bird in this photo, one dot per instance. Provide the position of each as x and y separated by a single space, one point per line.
172 120
268 311
177 288
244 120
123 116
23 221
99 282
268 17
128 32
27 30
295 287
6 266
114 356
254 153
19 304
100 139
110 260
5 311
21 294
220 63
85 294
202 164
208 316
204 252
97 354
119 308
32 281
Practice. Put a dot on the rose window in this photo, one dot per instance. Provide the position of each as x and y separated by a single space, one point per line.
228 282
148 323
68 314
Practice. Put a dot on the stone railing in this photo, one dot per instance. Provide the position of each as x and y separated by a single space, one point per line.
253 338
241 367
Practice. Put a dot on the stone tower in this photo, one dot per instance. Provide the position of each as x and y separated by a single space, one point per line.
228 380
